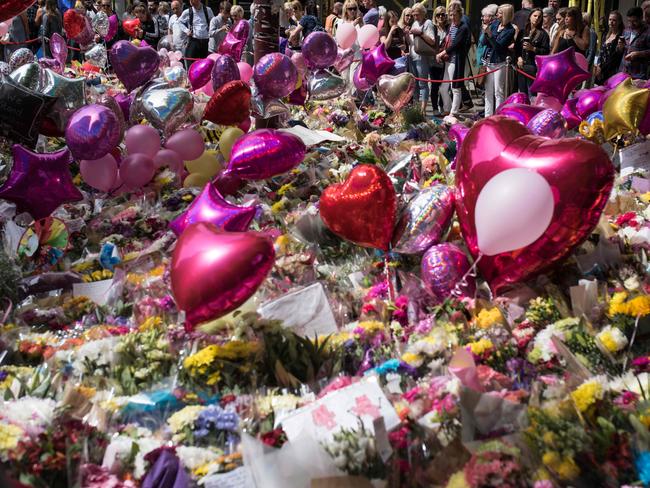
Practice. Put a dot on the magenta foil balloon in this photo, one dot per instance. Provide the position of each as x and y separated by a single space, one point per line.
359 82
224 70
443 267
265 153
589 101
134 66
92 132
235 41
124 101
615 80
319 50
375 63
200 72
214 272
548 123
558 74
275 75
39 182
210 207
113 23
570 113
59 49
517 97
344 58
520 112
644 126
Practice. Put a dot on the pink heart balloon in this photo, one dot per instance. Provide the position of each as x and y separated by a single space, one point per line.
214 272
200 73
265 153
344 59
579 173
113 24
212 208
134 66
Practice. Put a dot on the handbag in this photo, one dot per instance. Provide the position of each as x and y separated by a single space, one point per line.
421 47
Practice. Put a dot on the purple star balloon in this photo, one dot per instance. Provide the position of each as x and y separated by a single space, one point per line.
40 182
558 74
376 62
210 207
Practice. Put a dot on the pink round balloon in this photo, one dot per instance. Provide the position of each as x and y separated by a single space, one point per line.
169 158
368 36
582 61
214 56
142 139
200 72
207 89
517 97
224 70
346 35
99 173
443 267
245 71
275 75
188 144
265 153
208 284
319 50
570 113
137 170
210 207
92 132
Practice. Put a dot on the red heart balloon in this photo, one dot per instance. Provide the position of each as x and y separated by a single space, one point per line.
213 272
363 208
579 173
10 8
230 104
130 26
74 23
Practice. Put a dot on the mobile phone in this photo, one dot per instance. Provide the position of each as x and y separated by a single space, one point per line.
526 39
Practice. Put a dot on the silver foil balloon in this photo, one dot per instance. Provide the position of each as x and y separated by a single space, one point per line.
323 85
70 93
165 109
97 55
5 69
424 220
100 24
29 75
176 76
268 108
20 57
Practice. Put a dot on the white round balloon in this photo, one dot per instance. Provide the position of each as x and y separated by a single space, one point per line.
512 211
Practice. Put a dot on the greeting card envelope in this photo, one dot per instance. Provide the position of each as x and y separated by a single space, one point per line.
306 311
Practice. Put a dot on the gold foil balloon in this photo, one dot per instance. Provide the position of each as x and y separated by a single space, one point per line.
624 109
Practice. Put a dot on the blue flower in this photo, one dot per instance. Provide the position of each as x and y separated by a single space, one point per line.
642 463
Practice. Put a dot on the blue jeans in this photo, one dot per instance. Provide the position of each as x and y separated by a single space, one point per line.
421 70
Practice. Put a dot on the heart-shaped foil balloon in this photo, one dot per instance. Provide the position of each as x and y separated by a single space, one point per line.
134 66
579 173
265 153
20 57
396 91
97 55
176 76
323 85
74 22
213 272
363 208
100 24
165 109
344 58
230 105
519 111
11 8
130 26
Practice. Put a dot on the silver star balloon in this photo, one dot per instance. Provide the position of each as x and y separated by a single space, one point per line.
70 93
100 23
29 75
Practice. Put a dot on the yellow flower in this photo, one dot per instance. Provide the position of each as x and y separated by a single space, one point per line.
568 469
481 346
278 207
214 378
204 357
644 418
9 436
645 198
488 318
412 359
616 302
458 480
150 323
285 188
548 438
587 394
551 459
371 326
184 417
282 242
639 306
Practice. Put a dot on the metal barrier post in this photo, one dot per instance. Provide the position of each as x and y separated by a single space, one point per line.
508 71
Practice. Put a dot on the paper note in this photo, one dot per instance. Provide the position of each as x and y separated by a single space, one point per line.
97 291
237 478
313 137
635 158
306 311
642 185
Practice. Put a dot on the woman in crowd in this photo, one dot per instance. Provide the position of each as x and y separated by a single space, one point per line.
534 41
498 37
236 14
593 40
422 50
574 33
487 17
352 15
437 68
392 35
306 24
52 23
609 58
148 29
454 54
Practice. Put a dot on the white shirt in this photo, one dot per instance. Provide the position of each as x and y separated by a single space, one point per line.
427 29
200 28
553 32
178 36
216 36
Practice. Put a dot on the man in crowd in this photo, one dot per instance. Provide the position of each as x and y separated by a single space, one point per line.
372 14
521 16
195 24
636 54
178 36
548 20
554 4
219 26
330 22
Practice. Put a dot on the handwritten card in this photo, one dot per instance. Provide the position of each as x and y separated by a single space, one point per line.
313 137
237 478
342 409
97 291
635 158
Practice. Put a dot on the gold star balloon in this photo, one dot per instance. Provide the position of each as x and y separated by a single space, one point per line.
624 109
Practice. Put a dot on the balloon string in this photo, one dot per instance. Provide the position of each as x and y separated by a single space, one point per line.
457 291
632 339
389 281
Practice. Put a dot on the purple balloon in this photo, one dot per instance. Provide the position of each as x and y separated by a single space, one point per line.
125 101
200 72
558 74
570 113
615 80
241 30
134 66
275 75
224 70
319 50
113 24
457 133
39 182
589 101
359 82
522 113
344 58
604 98
443 267
517 97
92 132
548 123
265 153
87 35
59 49
375 63
210 207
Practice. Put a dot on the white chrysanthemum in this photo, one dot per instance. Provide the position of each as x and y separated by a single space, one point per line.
636 383
100 353
543 345
193 457
612 338
31 414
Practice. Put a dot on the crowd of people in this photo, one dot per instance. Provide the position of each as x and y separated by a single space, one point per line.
444 47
